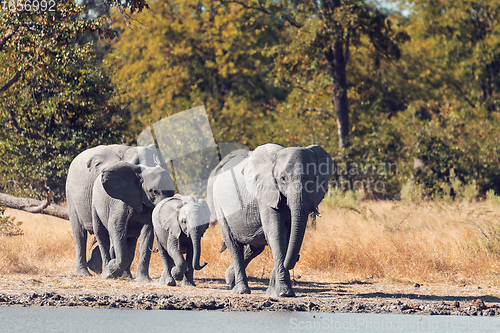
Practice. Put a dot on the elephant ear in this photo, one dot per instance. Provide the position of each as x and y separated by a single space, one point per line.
324 171
181 225
205 210
259 174
170 212
121 181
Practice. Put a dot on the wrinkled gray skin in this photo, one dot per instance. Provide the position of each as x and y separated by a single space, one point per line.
265 197
83 172
179 223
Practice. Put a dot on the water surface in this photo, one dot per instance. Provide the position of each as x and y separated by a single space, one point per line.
49 319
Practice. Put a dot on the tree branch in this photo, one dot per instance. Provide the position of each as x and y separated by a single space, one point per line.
265 11
5 38
463 94
12 81
35 206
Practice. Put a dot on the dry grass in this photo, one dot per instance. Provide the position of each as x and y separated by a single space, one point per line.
45 248
430 242
427 242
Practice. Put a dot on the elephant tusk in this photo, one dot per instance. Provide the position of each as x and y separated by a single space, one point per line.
316 212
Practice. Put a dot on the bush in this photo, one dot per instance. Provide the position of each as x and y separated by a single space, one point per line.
8 224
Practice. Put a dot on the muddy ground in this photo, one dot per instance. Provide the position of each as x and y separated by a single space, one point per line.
212 294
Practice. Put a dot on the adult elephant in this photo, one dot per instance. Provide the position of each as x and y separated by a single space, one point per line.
265 197
82 175
179 223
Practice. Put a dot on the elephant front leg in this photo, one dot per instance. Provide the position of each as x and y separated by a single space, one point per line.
130 257
280 284
188 280
166 278
115 265
147 237
181 266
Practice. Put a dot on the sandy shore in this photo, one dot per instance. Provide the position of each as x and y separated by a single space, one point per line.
212 294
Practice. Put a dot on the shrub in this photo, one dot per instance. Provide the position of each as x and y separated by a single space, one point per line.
8 224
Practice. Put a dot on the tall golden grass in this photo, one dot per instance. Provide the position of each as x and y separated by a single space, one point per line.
392 241
46 247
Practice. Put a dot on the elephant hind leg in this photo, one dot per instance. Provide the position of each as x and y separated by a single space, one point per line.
129 257
235 275
80 237
95 261
249 253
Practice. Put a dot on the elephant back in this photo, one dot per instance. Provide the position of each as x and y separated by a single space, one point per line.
229 161
82 173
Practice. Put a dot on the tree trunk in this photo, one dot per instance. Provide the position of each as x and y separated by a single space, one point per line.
34 206
337 57
337 62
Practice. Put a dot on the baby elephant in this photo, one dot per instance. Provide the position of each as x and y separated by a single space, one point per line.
179 223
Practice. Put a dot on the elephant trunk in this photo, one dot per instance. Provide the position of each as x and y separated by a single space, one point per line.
297 230
195 239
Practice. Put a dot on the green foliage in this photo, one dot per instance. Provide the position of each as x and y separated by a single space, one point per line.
188 53
344 199
8 224
59 103
453 190
423 87
411 192
316 32
438 103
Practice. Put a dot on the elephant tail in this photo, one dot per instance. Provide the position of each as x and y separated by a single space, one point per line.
223 247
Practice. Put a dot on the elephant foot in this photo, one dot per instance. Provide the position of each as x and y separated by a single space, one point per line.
177 273
284 291
83 271
127 275
188 283
167 280
109 273
241 288
143 277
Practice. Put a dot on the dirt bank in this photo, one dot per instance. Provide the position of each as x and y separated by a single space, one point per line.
211 294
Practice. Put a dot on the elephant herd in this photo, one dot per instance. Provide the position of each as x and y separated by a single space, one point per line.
259 198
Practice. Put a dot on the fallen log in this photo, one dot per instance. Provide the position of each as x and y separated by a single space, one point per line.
35 206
